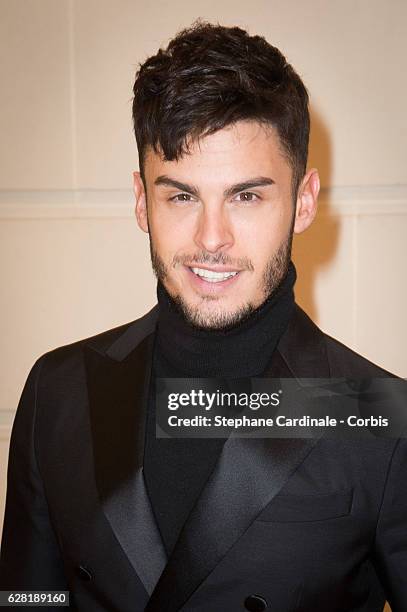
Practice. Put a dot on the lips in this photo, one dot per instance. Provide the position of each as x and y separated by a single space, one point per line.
212 280
214 276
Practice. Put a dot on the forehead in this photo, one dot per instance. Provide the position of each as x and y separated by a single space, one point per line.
245 146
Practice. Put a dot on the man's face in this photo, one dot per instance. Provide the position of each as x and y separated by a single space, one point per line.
220 221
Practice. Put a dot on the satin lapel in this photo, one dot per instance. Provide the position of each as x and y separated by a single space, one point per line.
118 393
248 474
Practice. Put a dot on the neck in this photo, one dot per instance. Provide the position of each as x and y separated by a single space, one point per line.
243 350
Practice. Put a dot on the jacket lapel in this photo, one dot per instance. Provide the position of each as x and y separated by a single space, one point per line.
118 383
248 475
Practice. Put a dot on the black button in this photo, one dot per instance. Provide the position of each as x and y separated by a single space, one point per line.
83 573
255 603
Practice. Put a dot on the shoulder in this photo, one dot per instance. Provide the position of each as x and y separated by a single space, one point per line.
345 362
64 358
313 353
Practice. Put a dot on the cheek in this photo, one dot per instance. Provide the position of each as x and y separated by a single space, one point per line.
162 236
165 230
172 240
262 233
166 247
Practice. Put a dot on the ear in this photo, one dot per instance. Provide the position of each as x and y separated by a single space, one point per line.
141 202
306 207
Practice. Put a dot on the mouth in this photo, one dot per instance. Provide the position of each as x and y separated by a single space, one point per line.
213 280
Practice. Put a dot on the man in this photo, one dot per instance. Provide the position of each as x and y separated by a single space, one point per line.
127 521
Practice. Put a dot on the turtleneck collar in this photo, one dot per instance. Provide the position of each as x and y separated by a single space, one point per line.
243 350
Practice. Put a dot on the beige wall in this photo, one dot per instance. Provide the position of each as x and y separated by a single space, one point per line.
74 262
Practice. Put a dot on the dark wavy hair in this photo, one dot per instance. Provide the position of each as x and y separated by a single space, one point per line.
209 77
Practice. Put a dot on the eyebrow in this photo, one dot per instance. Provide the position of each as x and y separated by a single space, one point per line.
259 181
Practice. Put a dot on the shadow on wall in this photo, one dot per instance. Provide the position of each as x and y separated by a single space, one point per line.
316 247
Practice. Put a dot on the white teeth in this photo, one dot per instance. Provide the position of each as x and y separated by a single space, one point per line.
211 276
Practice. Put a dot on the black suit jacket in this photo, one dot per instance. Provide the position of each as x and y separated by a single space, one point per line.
285 525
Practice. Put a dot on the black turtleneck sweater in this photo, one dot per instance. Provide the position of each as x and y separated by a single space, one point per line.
176 469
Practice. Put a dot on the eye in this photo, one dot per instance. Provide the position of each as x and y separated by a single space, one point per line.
247 196
182 197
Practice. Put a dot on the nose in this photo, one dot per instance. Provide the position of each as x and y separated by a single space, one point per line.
214 230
